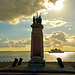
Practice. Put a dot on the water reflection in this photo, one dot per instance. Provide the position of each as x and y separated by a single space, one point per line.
61 55
49 57
66 56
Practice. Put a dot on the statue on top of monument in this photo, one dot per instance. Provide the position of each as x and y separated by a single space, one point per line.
37 19
33 19
40 19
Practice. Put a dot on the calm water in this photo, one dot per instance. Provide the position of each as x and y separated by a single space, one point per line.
49 57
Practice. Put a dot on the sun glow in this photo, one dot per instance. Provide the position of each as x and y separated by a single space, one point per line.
57 6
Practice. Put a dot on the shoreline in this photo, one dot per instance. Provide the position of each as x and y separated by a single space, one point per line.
3 64
50 68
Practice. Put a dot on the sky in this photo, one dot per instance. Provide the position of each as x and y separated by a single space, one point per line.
16 18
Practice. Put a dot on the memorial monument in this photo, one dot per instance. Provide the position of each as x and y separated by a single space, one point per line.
37 53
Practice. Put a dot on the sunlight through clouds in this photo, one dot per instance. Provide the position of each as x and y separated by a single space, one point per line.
16 9
16 18
55 6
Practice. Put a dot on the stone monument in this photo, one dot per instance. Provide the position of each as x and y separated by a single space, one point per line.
37 53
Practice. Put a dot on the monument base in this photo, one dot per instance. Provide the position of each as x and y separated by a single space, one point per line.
36 63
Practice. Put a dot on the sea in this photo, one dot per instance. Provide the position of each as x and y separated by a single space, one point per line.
9 56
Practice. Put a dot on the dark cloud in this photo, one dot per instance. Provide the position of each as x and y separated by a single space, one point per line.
14 9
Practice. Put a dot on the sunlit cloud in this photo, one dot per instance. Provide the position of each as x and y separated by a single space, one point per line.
54 4
13 10
14 21
54 23
59 35
59 39
23 20
55 39
4 42
57 23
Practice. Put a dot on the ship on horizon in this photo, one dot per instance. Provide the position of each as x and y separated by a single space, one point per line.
56 51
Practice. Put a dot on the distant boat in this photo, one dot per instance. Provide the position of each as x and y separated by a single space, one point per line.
56 51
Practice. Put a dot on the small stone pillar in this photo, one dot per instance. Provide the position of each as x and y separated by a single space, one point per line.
37 53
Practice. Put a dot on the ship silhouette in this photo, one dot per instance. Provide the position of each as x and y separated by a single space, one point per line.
56 51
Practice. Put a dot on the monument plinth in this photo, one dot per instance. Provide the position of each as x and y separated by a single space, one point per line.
37 43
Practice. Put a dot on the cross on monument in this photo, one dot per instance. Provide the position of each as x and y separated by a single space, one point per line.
37 52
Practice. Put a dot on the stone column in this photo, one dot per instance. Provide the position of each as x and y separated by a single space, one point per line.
37 42
37 53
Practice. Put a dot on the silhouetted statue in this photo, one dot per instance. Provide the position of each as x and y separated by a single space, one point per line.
37 19
40 19
15 62
33 19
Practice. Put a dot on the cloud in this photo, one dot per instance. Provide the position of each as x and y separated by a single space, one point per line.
59 39
25 20
54 4
13 10
57 23
55 39
14 21
54 23
59 35
70 41
4 42
45 21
